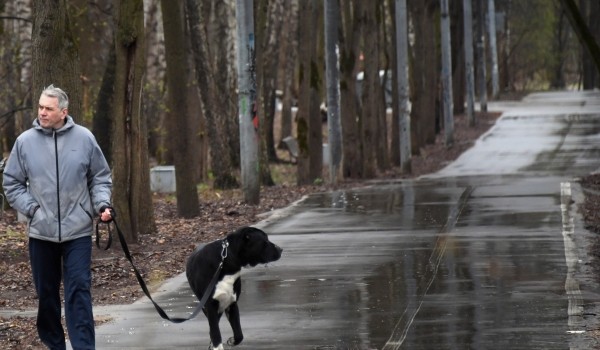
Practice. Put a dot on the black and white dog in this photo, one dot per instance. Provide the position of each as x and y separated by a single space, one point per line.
247 246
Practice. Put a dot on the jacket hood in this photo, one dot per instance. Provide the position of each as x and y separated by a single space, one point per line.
69 123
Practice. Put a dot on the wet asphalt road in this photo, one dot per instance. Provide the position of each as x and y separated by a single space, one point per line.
489 253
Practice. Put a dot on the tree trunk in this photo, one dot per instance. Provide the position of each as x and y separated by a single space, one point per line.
403 86
457 38
350 109
249 121
583 32
448 110
131 183
481 65
289 48
370 90
55 59
469 73
104 119
315 119
179 129
219 149
307 105
424 88
269 16
590 10
334 127
493 47
224 77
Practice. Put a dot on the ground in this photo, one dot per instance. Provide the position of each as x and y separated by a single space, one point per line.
162 255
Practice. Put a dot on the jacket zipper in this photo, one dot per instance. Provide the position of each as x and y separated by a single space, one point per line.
55 136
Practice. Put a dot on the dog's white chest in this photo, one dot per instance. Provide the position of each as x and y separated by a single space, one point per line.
224 293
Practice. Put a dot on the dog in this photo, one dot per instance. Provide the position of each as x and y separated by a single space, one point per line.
246 247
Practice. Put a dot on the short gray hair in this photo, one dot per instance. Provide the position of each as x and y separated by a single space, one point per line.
60 94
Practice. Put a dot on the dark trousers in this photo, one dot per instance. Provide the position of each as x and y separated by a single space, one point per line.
49 261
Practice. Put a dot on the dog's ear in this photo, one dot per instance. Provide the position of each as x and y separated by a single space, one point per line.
248 231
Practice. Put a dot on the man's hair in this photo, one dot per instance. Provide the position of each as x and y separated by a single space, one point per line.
52 91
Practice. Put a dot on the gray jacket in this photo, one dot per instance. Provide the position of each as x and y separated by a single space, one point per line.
59 179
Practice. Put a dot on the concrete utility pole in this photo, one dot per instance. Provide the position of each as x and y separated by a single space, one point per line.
493 49
447 75
403 100
249 134
332 68
481 75
470 78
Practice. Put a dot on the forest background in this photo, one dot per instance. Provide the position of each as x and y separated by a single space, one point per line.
157 81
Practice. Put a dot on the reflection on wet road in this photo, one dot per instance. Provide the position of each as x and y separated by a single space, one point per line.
434 264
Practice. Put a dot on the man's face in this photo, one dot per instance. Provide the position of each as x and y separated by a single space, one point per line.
50 115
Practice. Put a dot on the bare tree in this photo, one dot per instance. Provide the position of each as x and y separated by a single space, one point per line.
590 11
131 183
403 85
224 70
581 29
268 26
447 108
219 151
15 53
289 49
481 65
425 75
308 117
179 129
350 108
469 73
334 127
371 89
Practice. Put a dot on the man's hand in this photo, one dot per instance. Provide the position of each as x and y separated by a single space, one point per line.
106 215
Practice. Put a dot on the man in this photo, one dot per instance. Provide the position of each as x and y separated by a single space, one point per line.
58 177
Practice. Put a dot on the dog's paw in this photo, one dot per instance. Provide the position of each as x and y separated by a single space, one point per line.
211 347
232 342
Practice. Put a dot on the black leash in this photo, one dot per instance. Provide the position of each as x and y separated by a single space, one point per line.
159 309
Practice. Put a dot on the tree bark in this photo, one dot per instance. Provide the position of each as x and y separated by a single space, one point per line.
424 87
269 16
55 58
370 90
350 108
249 120
179 129
219 150
131 178
334 127
289 48
308 107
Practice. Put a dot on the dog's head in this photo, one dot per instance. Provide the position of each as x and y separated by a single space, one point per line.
254 247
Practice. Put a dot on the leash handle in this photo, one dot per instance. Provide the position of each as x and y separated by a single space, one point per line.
144 287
